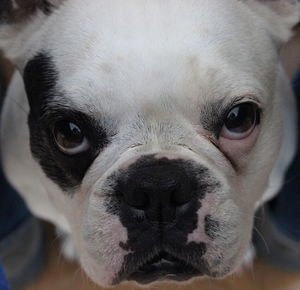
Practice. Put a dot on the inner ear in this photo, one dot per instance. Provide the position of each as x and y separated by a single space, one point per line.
18 11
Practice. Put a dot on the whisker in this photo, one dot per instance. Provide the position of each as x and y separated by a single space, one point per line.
262 238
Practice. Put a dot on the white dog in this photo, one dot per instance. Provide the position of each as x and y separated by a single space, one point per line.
148 130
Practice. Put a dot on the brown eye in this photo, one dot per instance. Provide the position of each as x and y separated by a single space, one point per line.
240 121
70 138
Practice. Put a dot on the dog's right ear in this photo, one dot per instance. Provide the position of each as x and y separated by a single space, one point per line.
20 20
279 15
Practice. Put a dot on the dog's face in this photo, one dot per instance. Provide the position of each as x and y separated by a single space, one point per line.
157 122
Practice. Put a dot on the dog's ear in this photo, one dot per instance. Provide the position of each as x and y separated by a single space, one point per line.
20 20
280 16
18 11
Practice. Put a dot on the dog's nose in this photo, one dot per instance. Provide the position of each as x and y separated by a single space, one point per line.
162 192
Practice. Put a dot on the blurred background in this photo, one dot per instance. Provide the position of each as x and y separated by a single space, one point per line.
60 274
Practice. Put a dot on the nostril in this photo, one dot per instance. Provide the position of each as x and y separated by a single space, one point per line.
183 193
180 197
136 199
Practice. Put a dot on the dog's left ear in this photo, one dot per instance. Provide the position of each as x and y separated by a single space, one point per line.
20 20
280 16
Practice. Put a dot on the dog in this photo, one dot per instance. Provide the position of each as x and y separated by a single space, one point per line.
148 131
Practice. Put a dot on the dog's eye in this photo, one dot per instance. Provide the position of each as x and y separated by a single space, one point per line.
70 138
240 121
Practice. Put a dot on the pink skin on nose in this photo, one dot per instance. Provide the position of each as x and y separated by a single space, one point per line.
131 161
168 156
199 235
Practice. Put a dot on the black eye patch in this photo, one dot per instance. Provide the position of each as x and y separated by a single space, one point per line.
66 170
48 105
90 127
40 79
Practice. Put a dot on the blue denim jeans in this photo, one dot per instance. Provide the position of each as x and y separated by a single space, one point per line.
13 210
3 283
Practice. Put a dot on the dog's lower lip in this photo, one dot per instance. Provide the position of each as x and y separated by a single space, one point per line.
164 267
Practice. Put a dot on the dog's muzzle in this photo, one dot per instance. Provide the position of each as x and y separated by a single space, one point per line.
157 201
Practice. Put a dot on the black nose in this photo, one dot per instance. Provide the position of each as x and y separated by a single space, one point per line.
162 191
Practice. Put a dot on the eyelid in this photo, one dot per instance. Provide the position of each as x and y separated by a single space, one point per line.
245 99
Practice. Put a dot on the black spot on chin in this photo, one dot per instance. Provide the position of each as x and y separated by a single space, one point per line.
211 227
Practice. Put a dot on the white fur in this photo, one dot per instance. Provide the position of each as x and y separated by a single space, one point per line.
147 68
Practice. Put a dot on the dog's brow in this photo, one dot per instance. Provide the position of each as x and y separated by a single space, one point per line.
54 109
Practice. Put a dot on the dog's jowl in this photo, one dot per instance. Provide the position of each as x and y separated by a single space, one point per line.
148 131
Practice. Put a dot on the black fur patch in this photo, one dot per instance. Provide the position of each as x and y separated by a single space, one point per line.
23 11
147 239
40 78
211 226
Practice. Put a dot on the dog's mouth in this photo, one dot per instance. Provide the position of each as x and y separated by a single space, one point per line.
164 267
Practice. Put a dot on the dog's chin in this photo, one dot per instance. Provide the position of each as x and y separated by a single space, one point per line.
163 267
167 268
